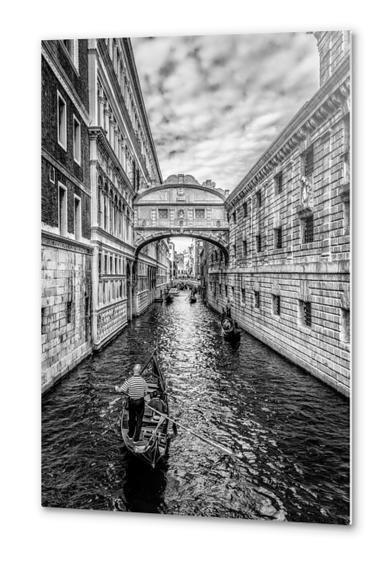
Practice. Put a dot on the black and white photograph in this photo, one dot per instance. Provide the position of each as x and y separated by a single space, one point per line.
196 229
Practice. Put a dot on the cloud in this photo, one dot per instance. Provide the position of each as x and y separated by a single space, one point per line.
215 103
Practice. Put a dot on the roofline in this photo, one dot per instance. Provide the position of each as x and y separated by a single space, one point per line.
296 121
178 185
131 57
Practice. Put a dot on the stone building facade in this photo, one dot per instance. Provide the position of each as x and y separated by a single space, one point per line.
288 276
66 252
97 154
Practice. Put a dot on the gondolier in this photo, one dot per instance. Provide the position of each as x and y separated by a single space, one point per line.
136 389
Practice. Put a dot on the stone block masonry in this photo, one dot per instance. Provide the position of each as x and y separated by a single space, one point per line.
65 307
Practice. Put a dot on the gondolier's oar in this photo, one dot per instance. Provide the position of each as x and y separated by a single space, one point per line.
202 437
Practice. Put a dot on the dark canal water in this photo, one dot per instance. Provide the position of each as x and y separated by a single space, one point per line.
291 431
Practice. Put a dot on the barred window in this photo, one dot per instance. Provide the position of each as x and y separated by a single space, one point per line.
278 237
345 325
309 162
245 209
276 304
258 243
68 311
257 299
199 213
242 296
259 198
278 182
305 313
308 230
163 213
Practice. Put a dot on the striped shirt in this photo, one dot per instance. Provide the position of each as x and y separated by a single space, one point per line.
136 387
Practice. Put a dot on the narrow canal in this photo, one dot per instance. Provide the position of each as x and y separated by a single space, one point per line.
291 430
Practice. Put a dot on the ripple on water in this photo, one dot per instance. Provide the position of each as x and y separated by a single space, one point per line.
290 431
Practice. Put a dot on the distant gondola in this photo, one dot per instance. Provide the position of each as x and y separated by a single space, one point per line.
168 299
156 430
229 329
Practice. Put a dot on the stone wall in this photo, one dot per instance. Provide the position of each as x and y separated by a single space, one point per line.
65 307
288 275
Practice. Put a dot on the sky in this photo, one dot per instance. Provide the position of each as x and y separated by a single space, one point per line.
215 103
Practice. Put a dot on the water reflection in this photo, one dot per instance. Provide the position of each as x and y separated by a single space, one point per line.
290 431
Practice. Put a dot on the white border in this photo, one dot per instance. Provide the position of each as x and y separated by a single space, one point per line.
32 533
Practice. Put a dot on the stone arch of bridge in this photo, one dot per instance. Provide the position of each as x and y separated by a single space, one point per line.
198 236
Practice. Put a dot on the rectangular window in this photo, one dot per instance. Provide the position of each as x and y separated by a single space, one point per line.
245 209
232 292
309 162
163 214
199 213
258 243
234 250
71 47
308 230
259 199
77 218
226 290
61 121
257 299
243 296
345 325
62 211
68 311
276 304
76 140
245 248
234 217
278 237
51 173
305 313
278 183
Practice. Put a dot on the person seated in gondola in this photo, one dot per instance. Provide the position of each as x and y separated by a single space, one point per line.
135 387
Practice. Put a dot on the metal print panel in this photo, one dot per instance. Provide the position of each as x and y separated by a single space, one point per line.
195 309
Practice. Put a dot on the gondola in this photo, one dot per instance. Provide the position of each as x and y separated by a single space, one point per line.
169 298
229 330
156 431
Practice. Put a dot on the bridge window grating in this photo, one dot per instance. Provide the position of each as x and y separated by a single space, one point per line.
276 304
308 230
163 214
199 213
305 313
278 238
